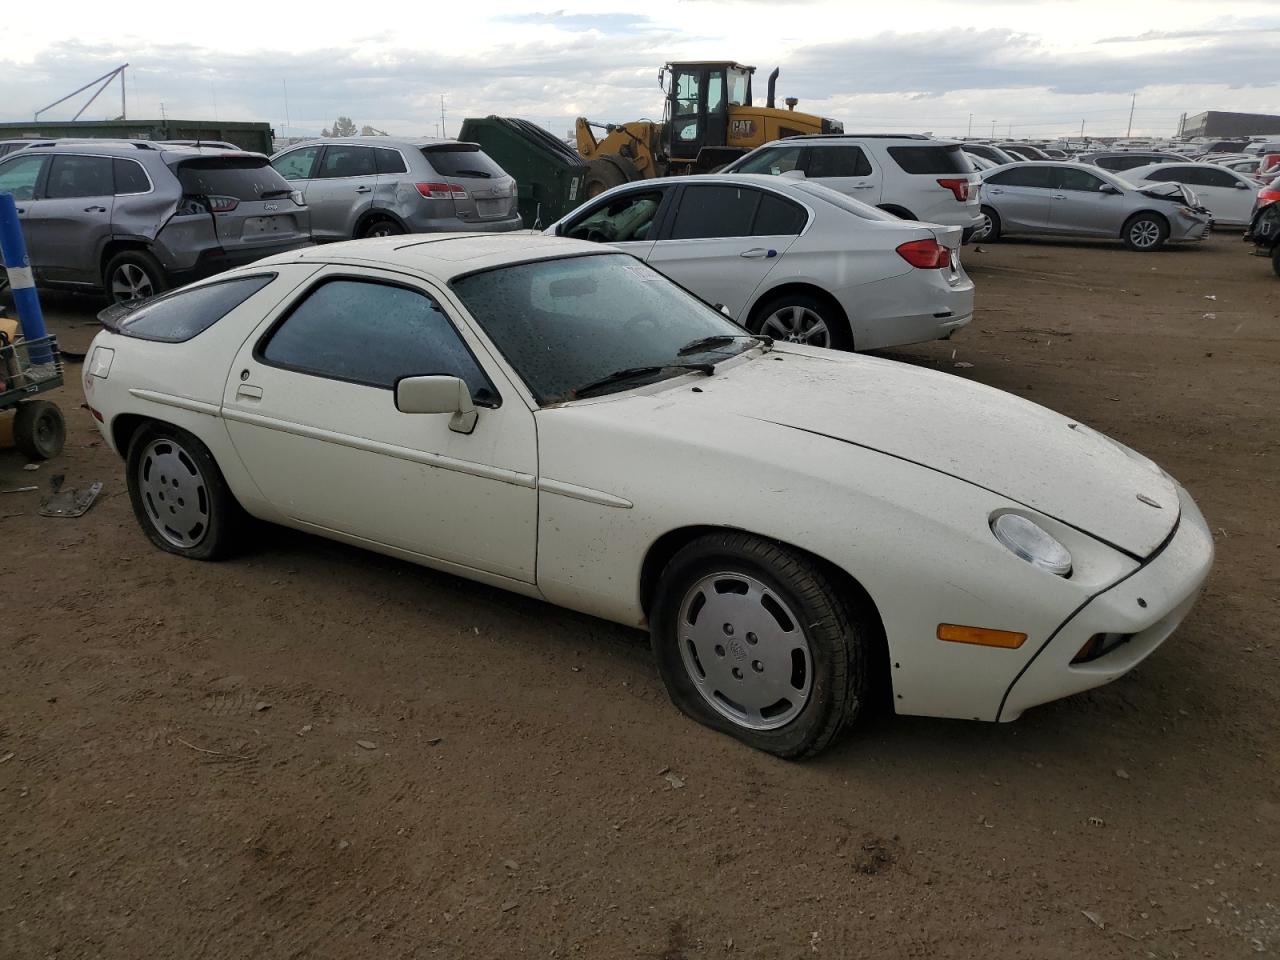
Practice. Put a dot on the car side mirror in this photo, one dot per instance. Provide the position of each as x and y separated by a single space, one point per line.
793 175
723 309
1241 185
438 395
1108 188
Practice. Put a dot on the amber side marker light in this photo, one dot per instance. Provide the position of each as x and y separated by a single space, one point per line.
982 636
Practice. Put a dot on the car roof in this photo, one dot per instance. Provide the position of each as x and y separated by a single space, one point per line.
134 149
378 141
442 256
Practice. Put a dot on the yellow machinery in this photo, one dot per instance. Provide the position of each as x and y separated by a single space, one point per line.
709 120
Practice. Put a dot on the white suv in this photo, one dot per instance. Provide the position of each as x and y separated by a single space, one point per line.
910 175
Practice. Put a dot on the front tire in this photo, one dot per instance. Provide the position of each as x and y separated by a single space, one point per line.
752 639
133 275
179 495
800 318
1145 232
989 231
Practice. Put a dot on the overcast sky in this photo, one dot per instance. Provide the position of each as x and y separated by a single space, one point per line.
1031 68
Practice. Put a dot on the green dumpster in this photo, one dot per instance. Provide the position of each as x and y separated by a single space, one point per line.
548 172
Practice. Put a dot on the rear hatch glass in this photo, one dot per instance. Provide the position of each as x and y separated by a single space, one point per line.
932 160
250 200
489 193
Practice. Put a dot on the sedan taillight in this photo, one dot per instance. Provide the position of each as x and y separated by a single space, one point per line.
925 254
442 191
1266 198
960 188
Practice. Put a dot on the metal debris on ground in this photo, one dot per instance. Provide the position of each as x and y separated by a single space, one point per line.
676 782
1094 918
70 503
366 744
20 490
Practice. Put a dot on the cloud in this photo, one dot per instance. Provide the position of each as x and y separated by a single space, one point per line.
602 22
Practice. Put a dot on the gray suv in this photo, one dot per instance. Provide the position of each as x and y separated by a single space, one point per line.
133 218
381 186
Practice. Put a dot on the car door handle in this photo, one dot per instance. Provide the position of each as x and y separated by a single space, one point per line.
864 186
363 189
22 209
995 190
95 209
247 391
758 253
1059 196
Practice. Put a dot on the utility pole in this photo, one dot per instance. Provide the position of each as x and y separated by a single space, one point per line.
970 133
443 128
1132 104
993 129
1081 129
287 124
124 112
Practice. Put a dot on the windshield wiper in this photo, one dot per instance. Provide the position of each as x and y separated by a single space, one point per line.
721 340
274 194
482 174
633 373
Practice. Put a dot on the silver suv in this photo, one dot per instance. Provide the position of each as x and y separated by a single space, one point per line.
380 186
133 218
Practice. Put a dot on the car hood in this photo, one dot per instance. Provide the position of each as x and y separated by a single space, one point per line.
1176 192
978 434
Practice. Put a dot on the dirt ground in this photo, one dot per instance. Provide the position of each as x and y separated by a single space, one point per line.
317 752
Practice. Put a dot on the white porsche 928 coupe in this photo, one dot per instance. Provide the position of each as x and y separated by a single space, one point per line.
796 527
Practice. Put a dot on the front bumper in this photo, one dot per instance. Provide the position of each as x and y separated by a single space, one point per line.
1183 229
1147 606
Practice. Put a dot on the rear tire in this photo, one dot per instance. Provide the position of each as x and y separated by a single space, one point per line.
179 495
752 639
39 430
1145 232
989 232
133 275
605 173
1275 261
380 227
801 318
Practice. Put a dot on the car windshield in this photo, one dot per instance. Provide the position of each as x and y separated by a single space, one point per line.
569 323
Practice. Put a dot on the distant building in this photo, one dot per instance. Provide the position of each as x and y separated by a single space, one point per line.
1220 123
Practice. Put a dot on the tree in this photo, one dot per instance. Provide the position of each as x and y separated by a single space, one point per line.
342 127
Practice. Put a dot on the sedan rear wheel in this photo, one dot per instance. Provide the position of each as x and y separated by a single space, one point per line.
799 318
179 495
1145 232
753 639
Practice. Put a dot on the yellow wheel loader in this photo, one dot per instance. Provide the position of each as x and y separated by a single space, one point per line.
709 120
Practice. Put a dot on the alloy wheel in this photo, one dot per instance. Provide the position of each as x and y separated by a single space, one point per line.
174 494
745 651
1144 234
131 282
983 231
797 324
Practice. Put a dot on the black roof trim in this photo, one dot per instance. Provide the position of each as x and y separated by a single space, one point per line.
859 136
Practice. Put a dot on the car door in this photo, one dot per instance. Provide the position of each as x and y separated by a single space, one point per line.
341 190
708 245
627 220
69 222
846 168
310 408
1219 191
298 167
21 176
1022 196
1082 207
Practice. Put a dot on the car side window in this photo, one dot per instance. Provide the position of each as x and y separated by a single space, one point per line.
1163 174
1072 179
19 176
1216 178
837 162
627 218
129 177
371 333
775 161
711 211
298 165
388 161
1029 175
76 176
778 217
341 161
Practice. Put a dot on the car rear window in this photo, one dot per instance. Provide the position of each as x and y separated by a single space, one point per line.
931 160
182 315
462 160
244 178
